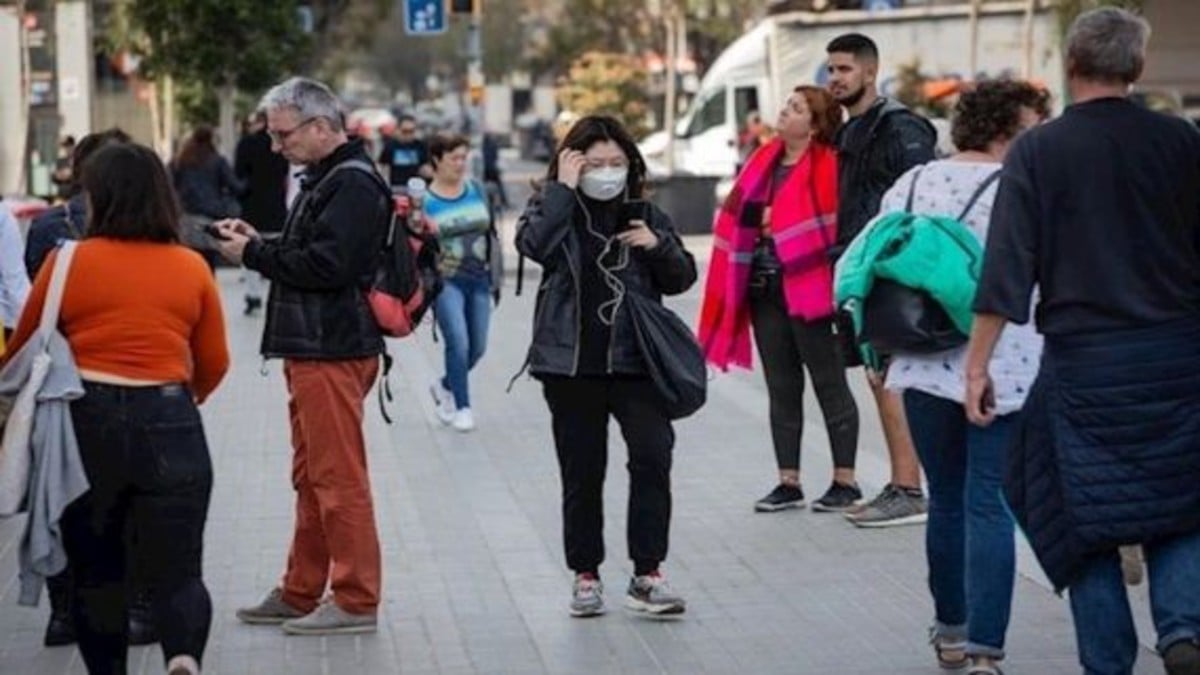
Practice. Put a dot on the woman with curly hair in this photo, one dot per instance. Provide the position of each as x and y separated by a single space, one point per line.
969 539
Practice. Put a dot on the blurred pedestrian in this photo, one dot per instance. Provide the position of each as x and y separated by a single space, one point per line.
66 221
14 280
1107 452
208 190
597 242
404 154
321 326
969 542
264 175
771 270
880 141
143 319
461 211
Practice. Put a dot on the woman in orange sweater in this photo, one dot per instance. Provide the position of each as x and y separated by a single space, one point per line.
143 318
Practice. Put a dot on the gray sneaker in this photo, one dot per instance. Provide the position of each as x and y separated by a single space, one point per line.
271 611
893 506
650 594
329 619
587 596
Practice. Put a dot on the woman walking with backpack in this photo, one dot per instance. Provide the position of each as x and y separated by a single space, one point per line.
969 538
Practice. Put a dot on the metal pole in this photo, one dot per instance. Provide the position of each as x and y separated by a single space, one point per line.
1027 70
475 83
670 70
973 67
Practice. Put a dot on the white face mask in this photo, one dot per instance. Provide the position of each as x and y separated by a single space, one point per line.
604 184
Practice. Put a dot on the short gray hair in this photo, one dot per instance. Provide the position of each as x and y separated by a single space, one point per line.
1108 45
309 98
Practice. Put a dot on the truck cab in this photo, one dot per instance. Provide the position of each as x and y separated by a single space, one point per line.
706 136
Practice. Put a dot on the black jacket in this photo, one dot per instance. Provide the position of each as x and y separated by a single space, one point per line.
209 189
65 221
323 264
873 151
548 233
264 175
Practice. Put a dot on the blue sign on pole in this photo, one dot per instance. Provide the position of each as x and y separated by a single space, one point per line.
424 17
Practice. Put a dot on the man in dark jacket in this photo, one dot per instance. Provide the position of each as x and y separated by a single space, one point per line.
1108 451
263 174
319 323
881 140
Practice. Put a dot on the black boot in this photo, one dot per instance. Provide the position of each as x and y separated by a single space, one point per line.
61 629
142 630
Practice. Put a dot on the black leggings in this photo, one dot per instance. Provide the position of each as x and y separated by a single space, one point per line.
788 346
147 461
580 408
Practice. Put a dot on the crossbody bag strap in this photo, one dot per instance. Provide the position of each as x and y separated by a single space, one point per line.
987 182
912 191
58 282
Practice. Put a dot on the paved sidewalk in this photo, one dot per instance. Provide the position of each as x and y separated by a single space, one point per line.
475 581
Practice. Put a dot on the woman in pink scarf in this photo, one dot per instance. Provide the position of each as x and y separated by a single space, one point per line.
770 269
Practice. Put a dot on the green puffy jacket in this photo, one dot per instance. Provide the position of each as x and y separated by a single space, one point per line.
935 254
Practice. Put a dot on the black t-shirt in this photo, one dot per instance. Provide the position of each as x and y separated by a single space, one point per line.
1101 209
595 335
403 159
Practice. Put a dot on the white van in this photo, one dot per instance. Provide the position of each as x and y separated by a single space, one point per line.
783 51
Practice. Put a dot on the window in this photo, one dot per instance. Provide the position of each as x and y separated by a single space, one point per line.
710 114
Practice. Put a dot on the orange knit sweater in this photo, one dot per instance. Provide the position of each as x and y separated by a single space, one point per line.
140 310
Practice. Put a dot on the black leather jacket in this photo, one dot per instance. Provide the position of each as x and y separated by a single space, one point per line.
548 234
323 263
873 151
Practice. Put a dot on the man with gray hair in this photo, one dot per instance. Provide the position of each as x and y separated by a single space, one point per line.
319 323
1100 210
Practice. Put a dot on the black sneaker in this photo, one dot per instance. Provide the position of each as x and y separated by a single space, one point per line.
782 497
838 498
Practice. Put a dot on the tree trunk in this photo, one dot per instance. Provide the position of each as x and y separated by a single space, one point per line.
226 129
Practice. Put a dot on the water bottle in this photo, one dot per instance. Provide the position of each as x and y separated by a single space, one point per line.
416 189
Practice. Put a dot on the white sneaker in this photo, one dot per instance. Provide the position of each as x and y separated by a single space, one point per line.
443 401
464 420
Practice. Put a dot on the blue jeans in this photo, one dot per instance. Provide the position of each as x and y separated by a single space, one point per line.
1104 630
463 310
969 538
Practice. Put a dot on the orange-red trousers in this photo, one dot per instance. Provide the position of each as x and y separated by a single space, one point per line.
335 542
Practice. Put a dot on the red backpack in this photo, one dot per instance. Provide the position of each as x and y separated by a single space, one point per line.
406 280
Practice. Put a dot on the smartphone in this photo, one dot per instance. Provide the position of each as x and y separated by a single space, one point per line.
215 232
635 209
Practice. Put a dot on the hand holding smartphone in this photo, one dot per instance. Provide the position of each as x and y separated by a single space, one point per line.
215 232
635 210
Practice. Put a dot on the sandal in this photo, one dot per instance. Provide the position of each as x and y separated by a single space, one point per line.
951 653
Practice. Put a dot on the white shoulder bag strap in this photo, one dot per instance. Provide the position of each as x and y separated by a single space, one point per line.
58 281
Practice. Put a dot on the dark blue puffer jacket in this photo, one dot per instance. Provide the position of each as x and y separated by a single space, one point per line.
1108 451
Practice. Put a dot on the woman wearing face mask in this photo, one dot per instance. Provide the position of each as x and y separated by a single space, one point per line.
597 242
770 271
459 209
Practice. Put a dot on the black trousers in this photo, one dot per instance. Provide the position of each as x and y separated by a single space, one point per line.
147 461
580 407
788 346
